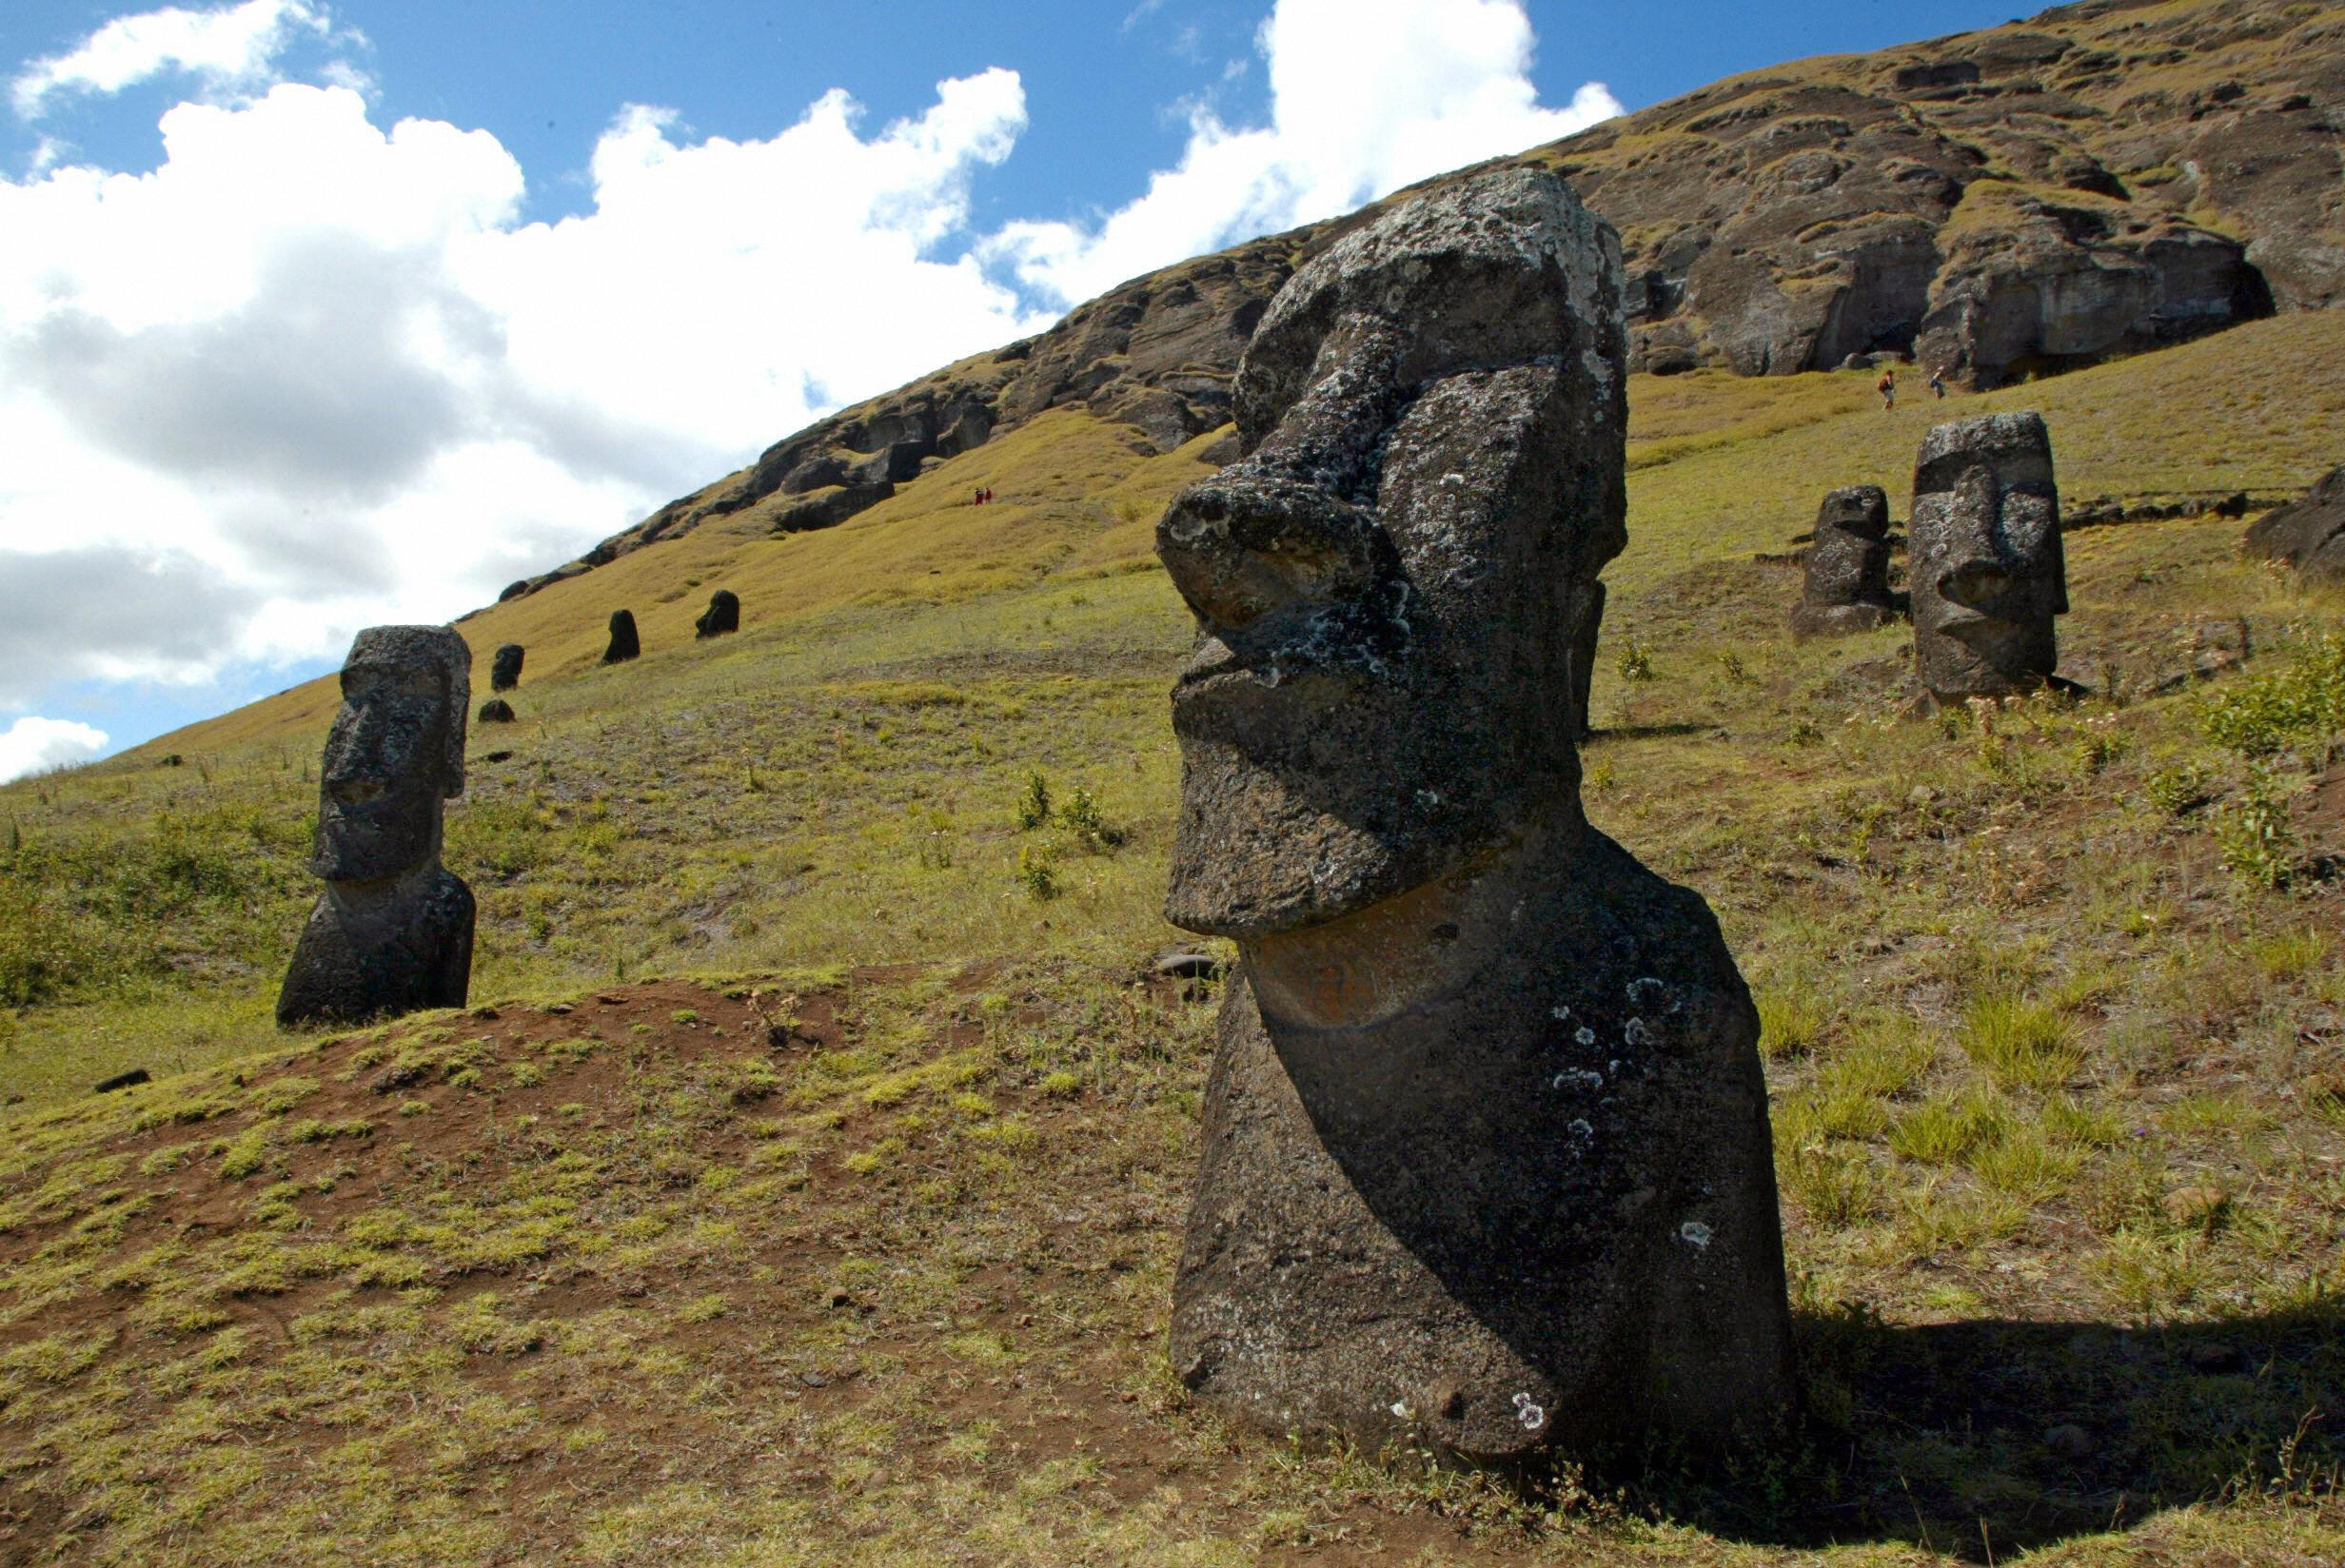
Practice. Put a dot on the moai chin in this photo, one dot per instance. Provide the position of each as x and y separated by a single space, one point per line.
724 615
1485 1165
504 670
1847 586
624 644
392 930
1984 547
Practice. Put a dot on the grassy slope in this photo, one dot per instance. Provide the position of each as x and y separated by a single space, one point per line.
2060 1100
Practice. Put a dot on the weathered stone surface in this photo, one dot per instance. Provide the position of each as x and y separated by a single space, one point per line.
1485 1161
724 615
392 931
2307 533
1847 587
1988 573
504 671
624 644
495 711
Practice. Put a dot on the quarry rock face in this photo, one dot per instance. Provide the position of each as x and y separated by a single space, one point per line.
2307 533
392 931
504 670
1486 1162
624 644
724 615
1985 544
1848 567
2109 177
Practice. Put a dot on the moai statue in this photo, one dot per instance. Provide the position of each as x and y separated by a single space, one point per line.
495 711
1486 1164
724 615
392 931
504 671
1847 586
624 644
1984 548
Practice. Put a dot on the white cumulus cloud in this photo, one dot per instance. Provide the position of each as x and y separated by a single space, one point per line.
1366 96
312 374
34 745
229 47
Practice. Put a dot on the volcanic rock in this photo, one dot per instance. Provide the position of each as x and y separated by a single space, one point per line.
2309 534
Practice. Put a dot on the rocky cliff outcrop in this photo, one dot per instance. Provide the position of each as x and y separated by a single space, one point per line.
2108 177
2104 178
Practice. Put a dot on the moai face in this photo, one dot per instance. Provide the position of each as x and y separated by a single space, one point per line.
395 753
1390 585
1988 575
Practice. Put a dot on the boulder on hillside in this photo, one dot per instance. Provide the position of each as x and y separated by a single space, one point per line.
2309 534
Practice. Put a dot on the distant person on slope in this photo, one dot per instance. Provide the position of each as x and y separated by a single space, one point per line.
1886 386
1937 384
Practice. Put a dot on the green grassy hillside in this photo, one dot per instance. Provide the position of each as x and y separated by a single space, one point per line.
809 1187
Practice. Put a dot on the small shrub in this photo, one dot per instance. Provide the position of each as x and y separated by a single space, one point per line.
2301 705
1037 873
1033 807
2179 788
1082 815
1636 661
2259 844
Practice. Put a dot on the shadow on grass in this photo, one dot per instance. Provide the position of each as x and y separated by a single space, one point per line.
1644 732
1985 1439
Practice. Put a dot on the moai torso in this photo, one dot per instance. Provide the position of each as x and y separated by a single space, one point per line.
392 930
1484 1161
1985 544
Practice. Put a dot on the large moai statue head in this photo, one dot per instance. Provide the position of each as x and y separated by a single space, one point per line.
1393 583
624 644
1847 588
724 615
1988 575
395 753
392 930
1485 1166
504 671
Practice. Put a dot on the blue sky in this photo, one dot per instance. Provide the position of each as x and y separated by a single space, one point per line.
315 315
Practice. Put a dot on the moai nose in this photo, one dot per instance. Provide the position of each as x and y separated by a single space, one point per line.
1248 544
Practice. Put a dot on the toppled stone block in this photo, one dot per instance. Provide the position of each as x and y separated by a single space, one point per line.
2309 534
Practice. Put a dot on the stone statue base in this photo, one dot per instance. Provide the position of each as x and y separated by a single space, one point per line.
369 949
1535 1211
1822 620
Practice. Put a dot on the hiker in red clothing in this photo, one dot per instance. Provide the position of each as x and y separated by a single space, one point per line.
1886 386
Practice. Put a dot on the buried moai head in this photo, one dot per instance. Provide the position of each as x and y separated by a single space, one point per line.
724 615
1847 587
395 753
1988 575
624 644
504 671
1392 585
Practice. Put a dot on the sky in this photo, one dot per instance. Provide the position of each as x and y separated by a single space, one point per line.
321 314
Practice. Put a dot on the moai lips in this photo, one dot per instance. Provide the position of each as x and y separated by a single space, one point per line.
1988 573
392 930
1485 1163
